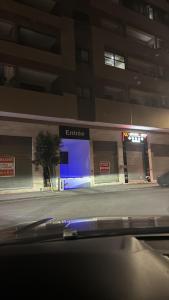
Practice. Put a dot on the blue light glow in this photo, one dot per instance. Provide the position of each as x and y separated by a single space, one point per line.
76 173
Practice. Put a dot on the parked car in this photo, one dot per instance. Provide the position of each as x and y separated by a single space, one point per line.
163 180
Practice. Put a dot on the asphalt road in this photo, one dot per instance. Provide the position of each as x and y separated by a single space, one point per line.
104 201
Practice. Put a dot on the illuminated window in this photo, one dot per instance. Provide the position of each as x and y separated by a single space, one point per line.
114 60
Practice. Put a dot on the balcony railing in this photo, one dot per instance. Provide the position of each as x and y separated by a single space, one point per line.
29 79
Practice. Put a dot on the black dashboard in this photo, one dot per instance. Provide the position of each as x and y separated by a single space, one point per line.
122 267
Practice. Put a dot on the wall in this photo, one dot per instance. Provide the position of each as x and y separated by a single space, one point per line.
30 102
132 114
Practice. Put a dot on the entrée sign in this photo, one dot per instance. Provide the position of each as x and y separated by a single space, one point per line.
74 133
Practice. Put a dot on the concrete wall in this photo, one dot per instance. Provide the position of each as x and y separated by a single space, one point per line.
132 114
30 102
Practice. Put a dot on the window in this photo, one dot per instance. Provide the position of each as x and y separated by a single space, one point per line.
83 55
113 93
84 93
64 157
44 5
114 60
7 73
81 17
150 12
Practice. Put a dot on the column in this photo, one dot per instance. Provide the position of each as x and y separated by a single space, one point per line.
92 163
120 162
37 172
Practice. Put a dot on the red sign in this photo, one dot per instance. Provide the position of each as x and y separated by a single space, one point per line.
104 167
7 166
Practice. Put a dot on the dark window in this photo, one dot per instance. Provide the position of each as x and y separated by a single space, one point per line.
84 93
31 87
64 157
82 55
81 17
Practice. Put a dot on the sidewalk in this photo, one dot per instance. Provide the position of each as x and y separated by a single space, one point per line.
96 189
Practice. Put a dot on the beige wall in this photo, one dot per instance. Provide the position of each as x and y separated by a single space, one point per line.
112 112
131 114
29 102
150 116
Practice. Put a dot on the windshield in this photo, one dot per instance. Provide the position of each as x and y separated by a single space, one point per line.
84 113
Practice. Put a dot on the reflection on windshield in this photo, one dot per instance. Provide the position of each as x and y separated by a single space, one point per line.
84 110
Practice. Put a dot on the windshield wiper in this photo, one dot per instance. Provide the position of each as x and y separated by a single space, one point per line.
33 225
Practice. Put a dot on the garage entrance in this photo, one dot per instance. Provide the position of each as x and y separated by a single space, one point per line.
135 154
160 159
135 161
105 162
16 172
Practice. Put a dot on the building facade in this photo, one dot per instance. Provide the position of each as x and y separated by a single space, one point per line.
94 72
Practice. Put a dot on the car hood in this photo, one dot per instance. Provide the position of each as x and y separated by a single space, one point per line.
70 227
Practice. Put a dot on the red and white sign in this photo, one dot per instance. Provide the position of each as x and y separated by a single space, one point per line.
7 166
104 167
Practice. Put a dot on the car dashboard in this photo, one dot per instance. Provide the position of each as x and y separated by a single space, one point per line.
121 267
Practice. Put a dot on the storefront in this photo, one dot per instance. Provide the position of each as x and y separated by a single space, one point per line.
135 155
75 157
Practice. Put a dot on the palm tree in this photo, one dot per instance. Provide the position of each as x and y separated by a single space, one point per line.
47 154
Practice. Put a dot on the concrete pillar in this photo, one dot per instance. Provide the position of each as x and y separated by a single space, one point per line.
120 162
92 163
150 161
37 172
57 176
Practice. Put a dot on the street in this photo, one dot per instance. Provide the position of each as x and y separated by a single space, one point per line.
119 200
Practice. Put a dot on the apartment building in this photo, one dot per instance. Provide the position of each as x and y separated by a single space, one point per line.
94 72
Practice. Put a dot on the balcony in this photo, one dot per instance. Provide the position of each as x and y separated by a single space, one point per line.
142 67
7 30
44 5
142 37
30 38
29 54
114 93
38 103
19 77
148 99
151 12
39 40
